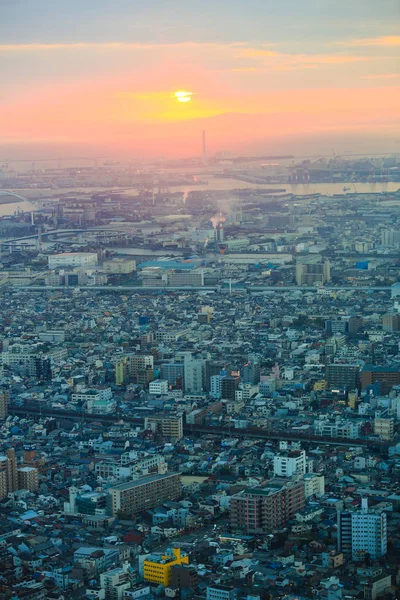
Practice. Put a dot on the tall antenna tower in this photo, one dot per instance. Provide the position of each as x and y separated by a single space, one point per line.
204 154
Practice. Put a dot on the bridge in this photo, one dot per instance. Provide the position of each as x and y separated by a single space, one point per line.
200 430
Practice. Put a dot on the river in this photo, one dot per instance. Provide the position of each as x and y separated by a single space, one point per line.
219 184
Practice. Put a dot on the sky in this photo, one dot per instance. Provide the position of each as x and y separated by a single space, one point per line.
265 76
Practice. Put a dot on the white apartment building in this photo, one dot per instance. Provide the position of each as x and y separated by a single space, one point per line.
314 485
158 387
73 259
368 533
289 463
216 386
193 374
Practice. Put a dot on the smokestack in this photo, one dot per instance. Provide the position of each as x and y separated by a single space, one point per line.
204 147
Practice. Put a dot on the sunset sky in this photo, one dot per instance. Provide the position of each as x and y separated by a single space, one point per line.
265 76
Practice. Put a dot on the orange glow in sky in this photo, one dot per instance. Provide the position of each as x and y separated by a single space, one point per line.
287 73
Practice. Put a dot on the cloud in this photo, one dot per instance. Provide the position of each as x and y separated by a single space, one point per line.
382 76
385 40
110 46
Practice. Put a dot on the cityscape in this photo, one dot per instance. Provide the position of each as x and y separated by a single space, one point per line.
199 306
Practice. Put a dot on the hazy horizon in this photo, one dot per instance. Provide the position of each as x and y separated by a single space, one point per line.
261 77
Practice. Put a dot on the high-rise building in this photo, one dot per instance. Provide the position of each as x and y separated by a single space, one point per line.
384 428
212 367
313 271
167 425
193 374
362 533
216 386
137 496
8 474
4 401
229 385
250 372
391 237
261 510
343 375
174 373
387 377
391 322
28 479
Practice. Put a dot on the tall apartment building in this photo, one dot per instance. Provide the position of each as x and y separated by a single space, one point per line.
384 428
174 373
134 497
261 510
157 568
229 385
391 322
216 386
168 426
391 237
342 375
28 479
362 533
250 372
387 377
8 473
313 271
194 368
4 401
287 464
314 484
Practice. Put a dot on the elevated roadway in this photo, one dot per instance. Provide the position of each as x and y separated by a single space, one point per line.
199 430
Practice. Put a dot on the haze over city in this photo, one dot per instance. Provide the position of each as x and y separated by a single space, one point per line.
261 76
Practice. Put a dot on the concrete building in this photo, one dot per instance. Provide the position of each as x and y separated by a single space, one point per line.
72 259
313 271
134 497
384 428
362 533
391 322
167 425
216 386
387 377
261 510
314 485
342 375
194 368
4 401
119 266
287 464
221 592
115 582
28 479
157 568
158 387
229 386
193 278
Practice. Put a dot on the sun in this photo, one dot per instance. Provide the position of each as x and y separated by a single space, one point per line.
182 96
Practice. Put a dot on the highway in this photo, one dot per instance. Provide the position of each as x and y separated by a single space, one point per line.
196 430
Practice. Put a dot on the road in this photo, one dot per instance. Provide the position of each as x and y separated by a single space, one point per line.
194 430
